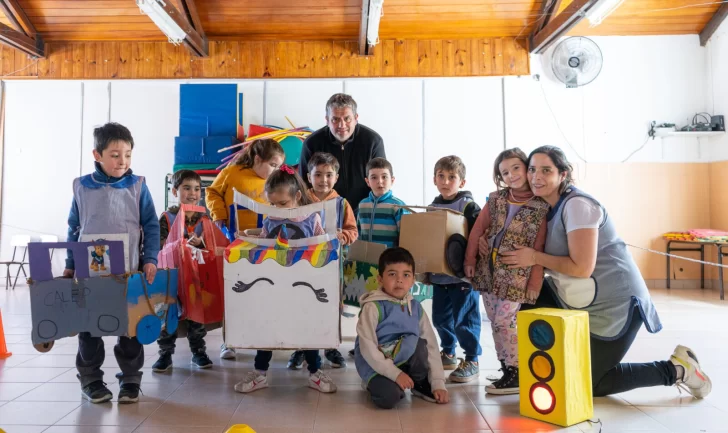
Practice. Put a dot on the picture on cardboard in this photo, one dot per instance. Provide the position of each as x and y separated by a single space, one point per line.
98 256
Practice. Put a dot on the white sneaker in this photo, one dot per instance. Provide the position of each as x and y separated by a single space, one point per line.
694 380
321 382
227 352
252 381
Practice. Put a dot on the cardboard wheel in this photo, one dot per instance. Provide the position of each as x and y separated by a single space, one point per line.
44 347
148 329
455 254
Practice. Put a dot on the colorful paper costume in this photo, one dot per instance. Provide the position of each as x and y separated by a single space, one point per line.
119 303
284 293
200 271
555 365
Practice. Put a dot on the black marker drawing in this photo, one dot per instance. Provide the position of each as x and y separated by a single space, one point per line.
320 293
241 287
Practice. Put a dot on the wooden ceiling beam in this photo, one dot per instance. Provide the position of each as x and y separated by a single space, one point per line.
718 17
22 36
193 16
22 42
194 42
17 17
548 9
560 25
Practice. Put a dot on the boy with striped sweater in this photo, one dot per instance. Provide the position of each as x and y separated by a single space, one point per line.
380 213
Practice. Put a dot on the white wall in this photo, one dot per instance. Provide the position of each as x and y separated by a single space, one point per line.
42 156
48 139
643 78
717 85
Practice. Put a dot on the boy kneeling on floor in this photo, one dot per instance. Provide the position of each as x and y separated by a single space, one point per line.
396 348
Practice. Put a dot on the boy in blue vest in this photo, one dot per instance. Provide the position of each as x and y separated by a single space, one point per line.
455 309
187 186
113 201
396 348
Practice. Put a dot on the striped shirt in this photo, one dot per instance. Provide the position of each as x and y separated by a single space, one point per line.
379 219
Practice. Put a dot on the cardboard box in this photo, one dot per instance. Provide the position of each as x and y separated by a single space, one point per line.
366 252
361 270
284 293
555 360
360 273
425 235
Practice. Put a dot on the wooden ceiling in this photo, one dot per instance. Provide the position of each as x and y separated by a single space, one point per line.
652 17
69 20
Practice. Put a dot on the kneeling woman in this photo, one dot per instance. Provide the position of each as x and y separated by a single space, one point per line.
591 270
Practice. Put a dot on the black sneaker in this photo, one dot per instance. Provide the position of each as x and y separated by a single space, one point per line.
201 360
507 385
352 353
96 392
335 359
296 361
163 364
423 390
129 393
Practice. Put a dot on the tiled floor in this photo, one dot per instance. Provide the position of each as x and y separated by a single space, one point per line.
40 393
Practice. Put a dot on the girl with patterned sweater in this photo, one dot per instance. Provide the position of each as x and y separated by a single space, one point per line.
511 217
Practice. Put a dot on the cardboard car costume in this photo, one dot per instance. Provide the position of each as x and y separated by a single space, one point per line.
117 303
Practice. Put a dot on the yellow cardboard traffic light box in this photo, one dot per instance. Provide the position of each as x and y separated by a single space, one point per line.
555 366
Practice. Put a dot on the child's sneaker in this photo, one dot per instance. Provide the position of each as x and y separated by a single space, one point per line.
507 385
163 364
296 360
201 360
129 393
321 382
352 353
466 371
335 359
227 352
96 392
449 362
694 379
423 390
252 381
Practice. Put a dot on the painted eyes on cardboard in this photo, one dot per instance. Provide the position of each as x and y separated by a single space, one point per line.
320 294
241 287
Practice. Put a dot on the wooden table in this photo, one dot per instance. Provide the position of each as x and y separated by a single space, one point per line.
699 246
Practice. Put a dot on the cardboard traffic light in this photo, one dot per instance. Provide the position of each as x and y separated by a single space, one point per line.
555 366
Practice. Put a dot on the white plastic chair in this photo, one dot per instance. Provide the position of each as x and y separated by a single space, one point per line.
17 242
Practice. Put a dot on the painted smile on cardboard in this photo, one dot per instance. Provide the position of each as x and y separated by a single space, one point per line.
241 287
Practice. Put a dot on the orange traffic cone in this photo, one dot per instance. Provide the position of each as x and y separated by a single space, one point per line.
3 347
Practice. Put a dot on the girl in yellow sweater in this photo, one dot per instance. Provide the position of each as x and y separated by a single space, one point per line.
247 175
